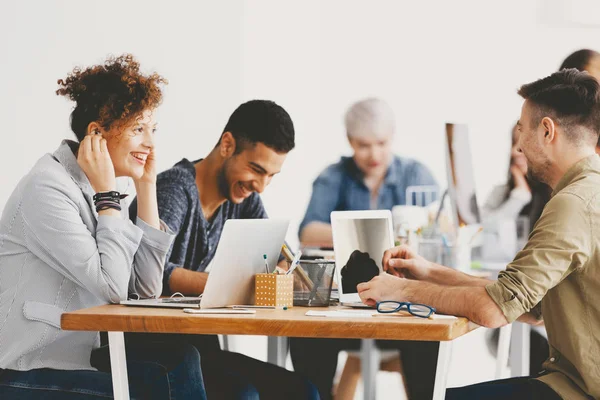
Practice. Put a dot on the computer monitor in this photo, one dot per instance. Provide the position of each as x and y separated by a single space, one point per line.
461 180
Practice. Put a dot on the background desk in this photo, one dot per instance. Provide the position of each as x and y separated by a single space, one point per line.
117 319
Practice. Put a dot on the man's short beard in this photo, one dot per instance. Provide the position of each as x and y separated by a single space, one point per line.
222 183
542 175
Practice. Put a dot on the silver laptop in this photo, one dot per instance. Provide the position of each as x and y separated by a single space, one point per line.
239 256
359 240
172 302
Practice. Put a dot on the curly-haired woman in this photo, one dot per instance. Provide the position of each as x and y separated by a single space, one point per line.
66 243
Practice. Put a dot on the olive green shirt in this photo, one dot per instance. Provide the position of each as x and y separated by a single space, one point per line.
560 267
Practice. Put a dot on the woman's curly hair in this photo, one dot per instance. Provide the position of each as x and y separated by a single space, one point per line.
111 93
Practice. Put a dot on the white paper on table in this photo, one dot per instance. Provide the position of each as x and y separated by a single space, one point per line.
405 314
440 316
365 314
341 314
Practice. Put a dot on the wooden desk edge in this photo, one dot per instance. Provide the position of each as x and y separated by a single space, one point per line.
134 320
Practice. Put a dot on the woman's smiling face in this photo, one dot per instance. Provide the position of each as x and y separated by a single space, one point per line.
129 146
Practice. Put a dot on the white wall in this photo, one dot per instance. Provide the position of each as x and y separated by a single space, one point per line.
195 45
434 62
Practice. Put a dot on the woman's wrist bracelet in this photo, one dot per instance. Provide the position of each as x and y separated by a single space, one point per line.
112 195
108 200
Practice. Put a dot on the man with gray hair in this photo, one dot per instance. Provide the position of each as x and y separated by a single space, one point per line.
373 178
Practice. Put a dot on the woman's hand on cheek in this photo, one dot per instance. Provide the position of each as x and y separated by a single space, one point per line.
95 161
519 178
149 176
382 287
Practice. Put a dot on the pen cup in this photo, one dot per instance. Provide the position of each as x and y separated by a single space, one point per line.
274 290
313 282
431 249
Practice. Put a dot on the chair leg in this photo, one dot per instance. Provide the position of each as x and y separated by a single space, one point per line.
395 365
346 387
351 374
392 365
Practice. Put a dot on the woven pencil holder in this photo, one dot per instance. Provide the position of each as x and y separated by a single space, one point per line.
274 290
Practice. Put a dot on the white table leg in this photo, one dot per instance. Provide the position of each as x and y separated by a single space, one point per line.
224 342
503 348
369 364
441 372
519 349
277 350
118 365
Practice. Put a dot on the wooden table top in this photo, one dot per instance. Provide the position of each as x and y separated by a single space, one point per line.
291 322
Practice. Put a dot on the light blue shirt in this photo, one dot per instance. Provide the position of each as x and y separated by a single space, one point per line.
341 187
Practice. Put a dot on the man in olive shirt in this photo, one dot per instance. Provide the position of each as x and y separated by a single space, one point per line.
557 275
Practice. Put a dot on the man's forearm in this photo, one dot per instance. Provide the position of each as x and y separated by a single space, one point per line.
187 282
473 303
446 276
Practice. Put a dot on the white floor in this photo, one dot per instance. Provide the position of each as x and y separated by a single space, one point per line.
471 363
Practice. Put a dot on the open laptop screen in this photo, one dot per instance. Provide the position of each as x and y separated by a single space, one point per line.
360 239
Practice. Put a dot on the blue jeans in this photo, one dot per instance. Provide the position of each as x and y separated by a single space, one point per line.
524 388
157 371
234 376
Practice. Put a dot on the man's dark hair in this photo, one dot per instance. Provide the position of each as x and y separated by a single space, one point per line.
261 121
579 59
570 97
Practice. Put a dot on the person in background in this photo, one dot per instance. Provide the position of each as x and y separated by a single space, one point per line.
67 243
521 197
372 179
195 198
585 60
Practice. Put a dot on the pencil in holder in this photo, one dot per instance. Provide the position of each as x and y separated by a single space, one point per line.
274 290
